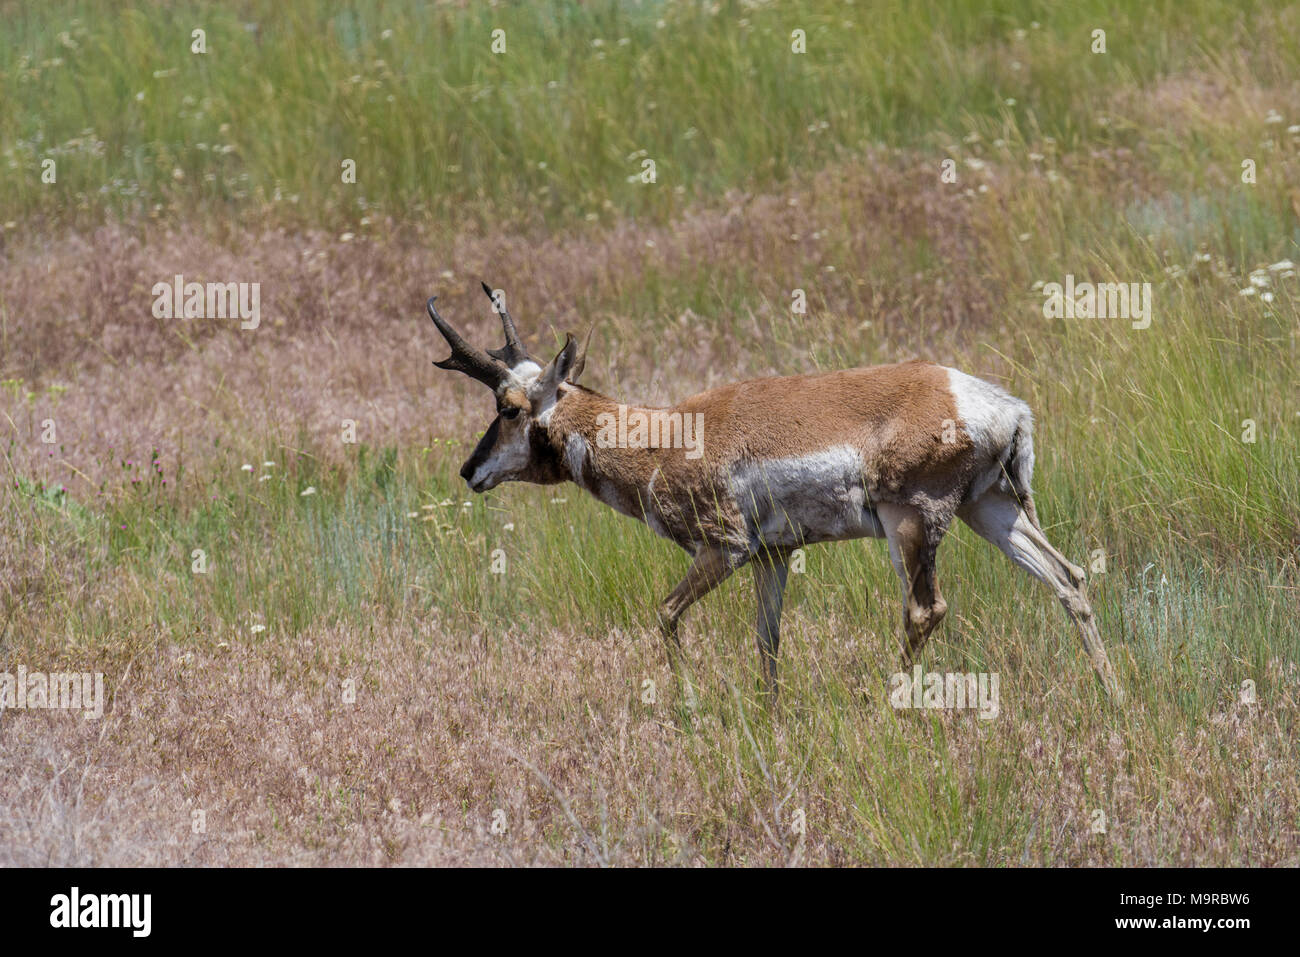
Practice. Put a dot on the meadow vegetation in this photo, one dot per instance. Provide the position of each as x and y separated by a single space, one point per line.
1167 456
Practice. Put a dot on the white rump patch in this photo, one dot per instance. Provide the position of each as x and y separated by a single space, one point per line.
991 417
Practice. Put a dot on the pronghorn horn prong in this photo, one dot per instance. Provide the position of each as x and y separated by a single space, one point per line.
513 352
465 358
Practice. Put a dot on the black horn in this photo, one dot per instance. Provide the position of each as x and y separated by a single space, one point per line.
465 358
513 352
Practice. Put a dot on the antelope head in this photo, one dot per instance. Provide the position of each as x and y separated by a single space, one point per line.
517 446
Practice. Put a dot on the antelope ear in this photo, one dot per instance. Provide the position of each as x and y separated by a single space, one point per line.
580 363
556 372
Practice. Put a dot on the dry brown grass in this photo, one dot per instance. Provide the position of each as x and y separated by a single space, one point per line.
447 729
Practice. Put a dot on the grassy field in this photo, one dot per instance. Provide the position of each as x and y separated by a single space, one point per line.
376 666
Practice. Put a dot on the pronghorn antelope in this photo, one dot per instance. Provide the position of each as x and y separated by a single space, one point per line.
891 451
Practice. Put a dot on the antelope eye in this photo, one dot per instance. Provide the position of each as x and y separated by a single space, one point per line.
509 412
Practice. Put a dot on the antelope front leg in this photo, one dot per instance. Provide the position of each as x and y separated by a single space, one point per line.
711 567
770 571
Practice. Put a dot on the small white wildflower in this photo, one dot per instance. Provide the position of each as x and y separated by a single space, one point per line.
1281 266
1274 118
508 527
346 238
309 490
257 629
1248 291
1266 297
246 467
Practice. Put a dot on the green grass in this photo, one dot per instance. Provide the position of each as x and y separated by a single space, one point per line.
402 545
442 129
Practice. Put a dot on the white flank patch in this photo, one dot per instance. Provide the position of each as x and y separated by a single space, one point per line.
810 498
